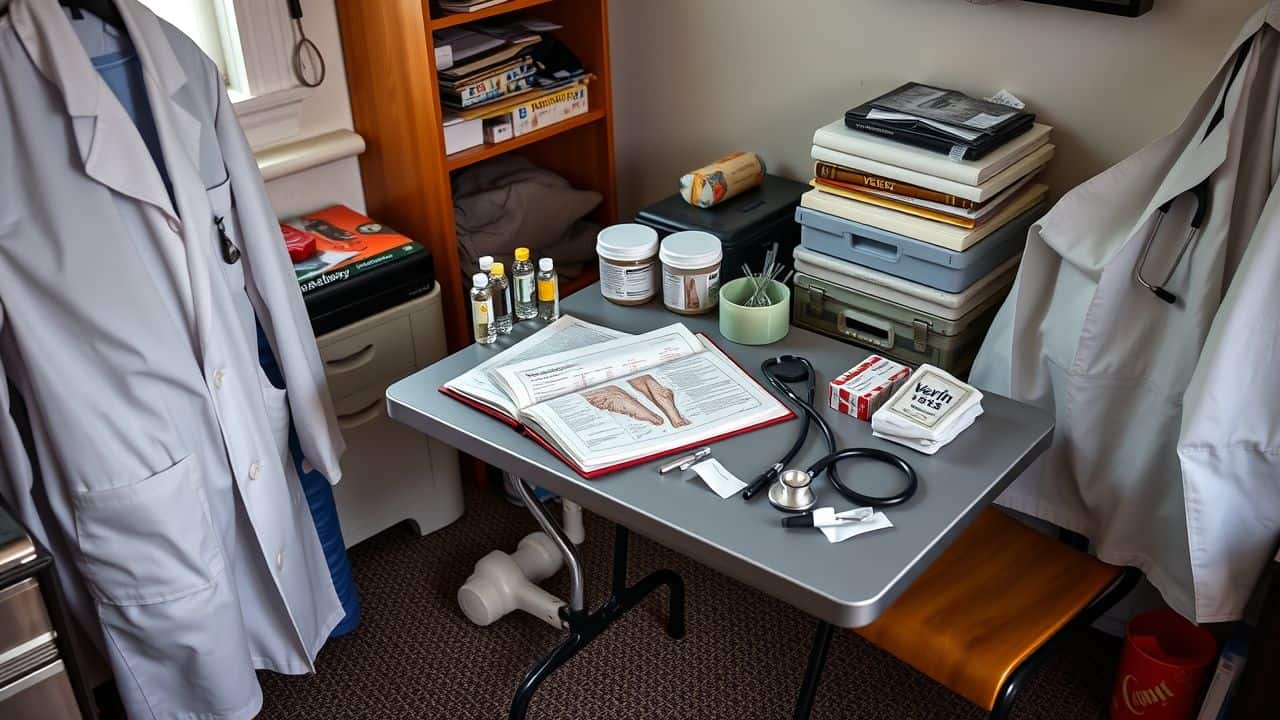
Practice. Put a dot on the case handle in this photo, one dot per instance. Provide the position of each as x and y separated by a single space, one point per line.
874 248
363 416
866 328
355 360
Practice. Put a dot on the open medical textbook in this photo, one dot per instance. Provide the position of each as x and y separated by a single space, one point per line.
602 400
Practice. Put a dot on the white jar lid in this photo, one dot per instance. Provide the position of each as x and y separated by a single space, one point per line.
691 250
626 242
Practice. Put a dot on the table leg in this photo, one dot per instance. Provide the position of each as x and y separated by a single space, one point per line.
584 627
813 673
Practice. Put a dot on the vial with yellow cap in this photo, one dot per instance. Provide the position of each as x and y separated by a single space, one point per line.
501 298
523 282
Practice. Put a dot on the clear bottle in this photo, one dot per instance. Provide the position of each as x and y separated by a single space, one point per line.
501 292
548 290
522 283
482 309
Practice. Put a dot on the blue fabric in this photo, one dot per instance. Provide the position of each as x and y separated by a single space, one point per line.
122 72
324 511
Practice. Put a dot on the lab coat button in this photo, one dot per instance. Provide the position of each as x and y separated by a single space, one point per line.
218 375
175 226
280 560
254 470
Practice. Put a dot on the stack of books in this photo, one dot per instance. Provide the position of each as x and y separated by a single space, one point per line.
925 167
485 70
894 181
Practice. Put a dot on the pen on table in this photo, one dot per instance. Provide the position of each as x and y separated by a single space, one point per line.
684 462
827 519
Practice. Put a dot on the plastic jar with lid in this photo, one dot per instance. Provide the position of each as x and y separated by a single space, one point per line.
691 271
628 263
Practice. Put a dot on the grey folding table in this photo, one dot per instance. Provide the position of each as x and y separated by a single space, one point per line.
846 584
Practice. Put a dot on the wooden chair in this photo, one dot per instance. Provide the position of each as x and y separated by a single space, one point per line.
984 615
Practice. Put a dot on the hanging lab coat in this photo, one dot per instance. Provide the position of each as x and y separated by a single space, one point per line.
143 443
1167 447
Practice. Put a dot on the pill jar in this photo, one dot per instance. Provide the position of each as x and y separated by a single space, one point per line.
691 271
628 263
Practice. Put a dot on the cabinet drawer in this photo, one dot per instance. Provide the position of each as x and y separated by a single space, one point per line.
374 356
45 694
22 616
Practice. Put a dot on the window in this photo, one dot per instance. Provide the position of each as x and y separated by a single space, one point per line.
251 41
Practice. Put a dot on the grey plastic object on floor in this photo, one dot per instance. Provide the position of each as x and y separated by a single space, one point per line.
912 259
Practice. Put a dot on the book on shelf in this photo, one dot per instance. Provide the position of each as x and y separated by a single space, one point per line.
940 120
508 80
836 136
464 44
504 105
981 192
486 61
467 6
550 109
602 400
924 208
951 237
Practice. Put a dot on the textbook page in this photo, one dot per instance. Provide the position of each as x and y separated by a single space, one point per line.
681 402
534 380
565 334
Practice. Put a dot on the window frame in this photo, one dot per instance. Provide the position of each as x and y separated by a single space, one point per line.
258 40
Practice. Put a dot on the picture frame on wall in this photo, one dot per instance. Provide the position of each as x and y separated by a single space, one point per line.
1127 8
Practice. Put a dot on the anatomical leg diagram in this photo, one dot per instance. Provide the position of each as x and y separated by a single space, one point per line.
616 400
662 396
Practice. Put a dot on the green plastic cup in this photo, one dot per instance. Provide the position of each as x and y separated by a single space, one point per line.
754 325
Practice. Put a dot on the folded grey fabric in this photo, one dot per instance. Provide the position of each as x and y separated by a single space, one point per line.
509 202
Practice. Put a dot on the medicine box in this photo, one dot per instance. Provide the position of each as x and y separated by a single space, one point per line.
866 386
912 259
497 129
549 109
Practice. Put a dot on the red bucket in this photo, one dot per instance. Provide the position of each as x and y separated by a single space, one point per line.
1166 663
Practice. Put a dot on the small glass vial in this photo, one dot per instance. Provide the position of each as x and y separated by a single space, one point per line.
482 310
548 291
523 283
501 293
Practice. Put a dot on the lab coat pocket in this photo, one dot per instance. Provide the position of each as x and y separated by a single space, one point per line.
276 401
148 542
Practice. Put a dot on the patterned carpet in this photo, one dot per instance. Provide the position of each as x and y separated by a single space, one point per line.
416 656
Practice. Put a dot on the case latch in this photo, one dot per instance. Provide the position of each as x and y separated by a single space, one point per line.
919 335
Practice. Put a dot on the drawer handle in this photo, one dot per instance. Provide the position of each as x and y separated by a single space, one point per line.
362 416
865 328
876 249
355 360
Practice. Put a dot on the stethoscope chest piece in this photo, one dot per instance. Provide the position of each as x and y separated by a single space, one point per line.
792 492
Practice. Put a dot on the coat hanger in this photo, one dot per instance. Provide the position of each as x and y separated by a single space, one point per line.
105 10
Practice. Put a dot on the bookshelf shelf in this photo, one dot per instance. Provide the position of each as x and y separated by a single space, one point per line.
452 19
395 102
484 152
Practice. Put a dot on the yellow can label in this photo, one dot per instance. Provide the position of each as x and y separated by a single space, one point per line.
546 290
481 310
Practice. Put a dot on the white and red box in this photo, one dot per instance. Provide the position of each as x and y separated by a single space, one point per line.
864 388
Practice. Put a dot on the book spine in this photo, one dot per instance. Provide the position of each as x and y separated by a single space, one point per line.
828 171
359 267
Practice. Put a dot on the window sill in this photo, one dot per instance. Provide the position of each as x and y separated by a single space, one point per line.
288 158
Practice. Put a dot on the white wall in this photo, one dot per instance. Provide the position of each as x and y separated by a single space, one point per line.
327 109
693 79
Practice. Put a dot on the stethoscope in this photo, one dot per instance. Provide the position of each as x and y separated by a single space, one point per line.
789 488
1200 192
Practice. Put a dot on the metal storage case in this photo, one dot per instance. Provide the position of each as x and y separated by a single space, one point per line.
895 330
912 259
746 225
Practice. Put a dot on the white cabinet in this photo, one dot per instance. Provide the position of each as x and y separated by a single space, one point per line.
390 473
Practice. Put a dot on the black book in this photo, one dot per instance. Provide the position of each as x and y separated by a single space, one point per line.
941 120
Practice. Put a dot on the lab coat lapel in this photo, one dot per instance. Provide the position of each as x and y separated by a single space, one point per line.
179 132
110 148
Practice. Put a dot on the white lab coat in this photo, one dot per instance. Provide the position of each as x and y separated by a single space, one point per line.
1167 448
144 445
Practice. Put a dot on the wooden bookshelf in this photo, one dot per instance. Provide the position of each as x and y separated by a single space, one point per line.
395 101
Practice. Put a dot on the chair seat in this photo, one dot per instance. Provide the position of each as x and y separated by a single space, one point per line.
987 603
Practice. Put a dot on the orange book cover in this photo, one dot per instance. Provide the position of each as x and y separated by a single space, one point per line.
346 243
844 190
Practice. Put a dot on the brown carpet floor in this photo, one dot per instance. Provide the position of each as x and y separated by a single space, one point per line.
415 655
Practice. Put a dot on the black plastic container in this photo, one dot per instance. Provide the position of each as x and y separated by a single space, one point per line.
746 225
